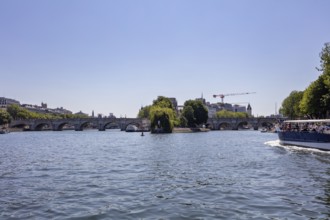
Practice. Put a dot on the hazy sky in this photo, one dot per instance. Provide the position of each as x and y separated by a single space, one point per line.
115 56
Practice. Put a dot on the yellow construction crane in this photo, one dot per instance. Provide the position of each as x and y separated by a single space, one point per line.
222 96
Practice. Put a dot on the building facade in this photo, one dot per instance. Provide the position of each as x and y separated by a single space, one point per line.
5 102
213 108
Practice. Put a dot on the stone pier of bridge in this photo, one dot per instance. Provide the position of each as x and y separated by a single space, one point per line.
104 123
80 124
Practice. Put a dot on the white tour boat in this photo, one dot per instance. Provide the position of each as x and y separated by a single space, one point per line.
306 133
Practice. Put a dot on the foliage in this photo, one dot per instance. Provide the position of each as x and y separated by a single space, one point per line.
183 122
144 112
291 105
161 119
325 66
195 113
315 101
188 115
17 112
230 114
75 116
5 117
13 110
161 114
163 102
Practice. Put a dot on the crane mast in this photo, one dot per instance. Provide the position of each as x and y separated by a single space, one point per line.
222 96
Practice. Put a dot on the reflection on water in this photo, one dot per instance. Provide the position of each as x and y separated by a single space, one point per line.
119 175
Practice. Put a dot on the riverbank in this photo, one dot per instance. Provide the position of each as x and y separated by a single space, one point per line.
175 130
190 130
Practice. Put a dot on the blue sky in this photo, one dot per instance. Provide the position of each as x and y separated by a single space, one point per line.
115 56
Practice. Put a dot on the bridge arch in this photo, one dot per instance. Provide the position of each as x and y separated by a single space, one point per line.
23 126
84 124
224 126
80 123
132 123
244 124
266 124
209 126
235 123
109 125
60 126
41 126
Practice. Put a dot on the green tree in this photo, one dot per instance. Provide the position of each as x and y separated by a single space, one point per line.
183 121
188 114
18 112
161 114
5 117
195 112
144 112
291 105
163 102
325 64
80 116
26 114
162 119
315 100
13 110
314 103
230 114
241 115
225 114
325 68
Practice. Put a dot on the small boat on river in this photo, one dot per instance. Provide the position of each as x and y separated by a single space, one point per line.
263 130
306 133
4 131
131 128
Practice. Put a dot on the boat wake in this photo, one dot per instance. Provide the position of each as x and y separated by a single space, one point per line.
276 143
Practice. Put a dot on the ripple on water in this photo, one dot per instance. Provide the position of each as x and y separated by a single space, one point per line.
118 175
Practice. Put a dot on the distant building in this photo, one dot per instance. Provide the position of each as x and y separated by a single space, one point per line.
174 103
81 113
5 102
34 108
202 100
213 108
60 110
276 116
212 111
180 109
43 105
111 115
249 110
239 108
43 109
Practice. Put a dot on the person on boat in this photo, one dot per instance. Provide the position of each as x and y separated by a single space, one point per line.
304 127
288 127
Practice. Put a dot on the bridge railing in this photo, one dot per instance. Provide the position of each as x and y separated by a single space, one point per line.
78 123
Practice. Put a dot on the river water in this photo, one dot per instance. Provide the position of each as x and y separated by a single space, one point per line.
119 175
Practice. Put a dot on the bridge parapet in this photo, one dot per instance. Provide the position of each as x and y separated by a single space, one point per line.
102 123
236 123
80 123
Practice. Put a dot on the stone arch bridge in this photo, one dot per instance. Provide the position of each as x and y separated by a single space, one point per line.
79 124
240 123
103 123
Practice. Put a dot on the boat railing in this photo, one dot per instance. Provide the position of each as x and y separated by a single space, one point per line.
309 128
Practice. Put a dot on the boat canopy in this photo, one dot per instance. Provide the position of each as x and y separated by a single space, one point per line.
308 121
